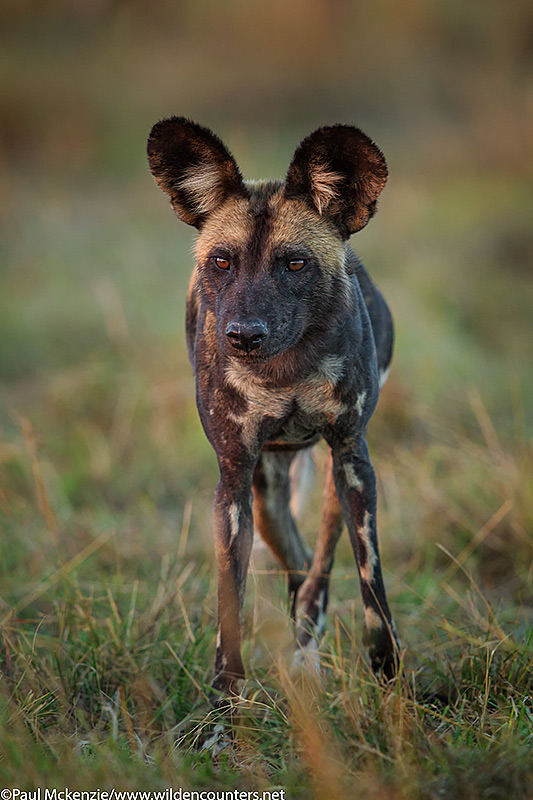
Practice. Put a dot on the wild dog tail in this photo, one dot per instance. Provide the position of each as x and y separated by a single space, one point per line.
302 475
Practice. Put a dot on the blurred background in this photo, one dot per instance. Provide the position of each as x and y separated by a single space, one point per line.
97 412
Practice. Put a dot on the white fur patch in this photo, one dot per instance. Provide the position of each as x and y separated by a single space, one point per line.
323 185
383 377
353 481
217 741
360 402
367 572
202 182
233 513
330 369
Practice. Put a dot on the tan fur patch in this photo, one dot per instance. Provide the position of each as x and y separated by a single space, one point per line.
192 294
372 620
230 225
259 396
315 396
261 401
210 329
317 393
296 224
323 185
318 397
202 183
367 572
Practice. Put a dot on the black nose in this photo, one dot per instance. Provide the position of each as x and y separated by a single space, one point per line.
247 335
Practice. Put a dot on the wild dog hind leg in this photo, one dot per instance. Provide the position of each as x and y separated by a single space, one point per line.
312 598
273 517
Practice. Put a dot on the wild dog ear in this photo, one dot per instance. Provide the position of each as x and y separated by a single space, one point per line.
340 172
194 167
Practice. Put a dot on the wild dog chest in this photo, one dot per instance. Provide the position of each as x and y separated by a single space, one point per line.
295 414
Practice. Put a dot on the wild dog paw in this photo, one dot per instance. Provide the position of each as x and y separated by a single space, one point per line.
306 658
381 640
216 739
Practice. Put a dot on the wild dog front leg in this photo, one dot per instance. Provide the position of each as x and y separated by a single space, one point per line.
356 488
233 529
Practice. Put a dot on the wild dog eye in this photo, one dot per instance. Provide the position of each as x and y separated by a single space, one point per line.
222 263
296 264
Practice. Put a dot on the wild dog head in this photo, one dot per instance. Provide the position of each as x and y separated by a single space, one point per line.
270 256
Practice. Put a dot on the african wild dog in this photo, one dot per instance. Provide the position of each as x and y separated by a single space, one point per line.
289 340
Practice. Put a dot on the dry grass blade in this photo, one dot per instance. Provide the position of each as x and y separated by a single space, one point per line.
40 485
56 576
